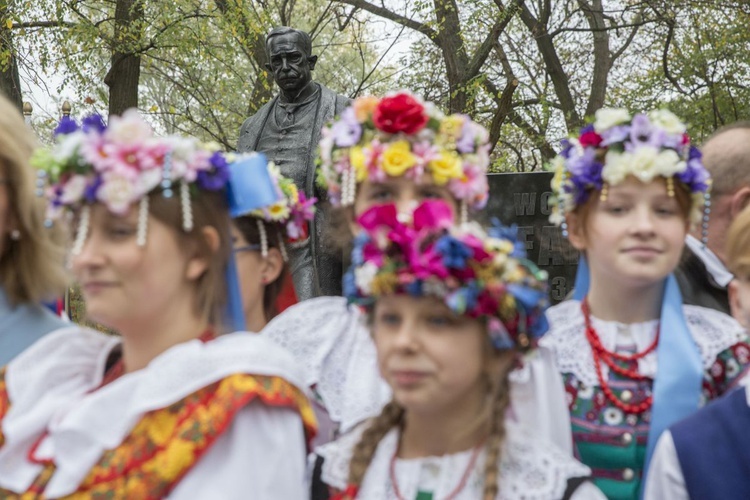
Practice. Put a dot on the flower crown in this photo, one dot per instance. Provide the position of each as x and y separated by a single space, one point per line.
401 135
118 165
292 210
617 145
476 274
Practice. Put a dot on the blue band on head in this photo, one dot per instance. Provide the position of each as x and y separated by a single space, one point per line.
250 185
250 188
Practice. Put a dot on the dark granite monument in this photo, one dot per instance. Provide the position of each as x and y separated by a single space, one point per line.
287 130
522 199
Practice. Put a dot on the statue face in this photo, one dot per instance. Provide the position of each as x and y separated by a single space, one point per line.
290 65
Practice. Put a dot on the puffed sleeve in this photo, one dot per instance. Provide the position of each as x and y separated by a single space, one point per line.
538 399
262 456
665 479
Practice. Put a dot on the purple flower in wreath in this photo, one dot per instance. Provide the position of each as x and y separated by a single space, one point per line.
347 131
217 176
566 148
695 176
643 133
465 143
586 173
92 187
614 135
66 126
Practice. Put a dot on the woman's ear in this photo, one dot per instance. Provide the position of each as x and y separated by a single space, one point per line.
198 263
272 266
739 201
576 234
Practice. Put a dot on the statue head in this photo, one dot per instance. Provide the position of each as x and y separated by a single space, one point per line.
290 58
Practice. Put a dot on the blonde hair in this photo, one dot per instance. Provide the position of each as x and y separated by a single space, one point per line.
738 245
31 266
393 415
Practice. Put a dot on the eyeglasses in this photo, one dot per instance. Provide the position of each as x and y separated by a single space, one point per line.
253 247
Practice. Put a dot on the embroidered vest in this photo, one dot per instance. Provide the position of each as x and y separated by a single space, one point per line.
166 443
713 447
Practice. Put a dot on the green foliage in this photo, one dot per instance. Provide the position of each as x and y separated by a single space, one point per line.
201 61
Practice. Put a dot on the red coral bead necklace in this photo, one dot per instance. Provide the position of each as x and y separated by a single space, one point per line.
602 355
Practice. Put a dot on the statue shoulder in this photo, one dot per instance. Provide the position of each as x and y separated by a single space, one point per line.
252 125
340 101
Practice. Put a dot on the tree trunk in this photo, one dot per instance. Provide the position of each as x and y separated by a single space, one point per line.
10 82
594 13
125 71
454 54
263 89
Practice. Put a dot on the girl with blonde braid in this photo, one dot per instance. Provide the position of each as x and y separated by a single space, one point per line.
397 150
450 310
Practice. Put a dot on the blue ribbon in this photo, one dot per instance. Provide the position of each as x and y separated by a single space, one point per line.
250 188
583 278
677 386
250 185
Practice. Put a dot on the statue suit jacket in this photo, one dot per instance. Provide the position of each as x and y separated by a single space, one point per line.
327 262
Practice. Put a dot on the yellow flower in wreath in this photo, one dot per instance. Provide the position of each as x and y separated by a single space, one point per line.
446 167
293 194
357 161
452 126
279 211
398 158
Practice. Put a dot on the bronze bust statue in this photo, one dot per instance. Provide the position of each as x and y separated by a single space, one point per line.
287 130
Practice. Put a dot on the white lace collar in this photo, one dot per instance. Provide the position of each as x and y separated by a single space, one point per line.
529 469
712 331
49 386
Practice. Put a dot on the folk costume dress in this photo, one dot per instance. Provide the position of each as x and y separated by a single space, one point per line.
333 347
611 441
529 468
205 419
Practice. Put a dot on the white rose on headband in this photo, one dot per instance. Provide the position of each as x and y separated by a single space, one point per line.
609 117
668 121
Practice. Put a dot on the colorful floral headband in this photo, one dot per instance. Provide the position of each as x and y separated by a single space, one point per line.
401 135
616 146
292 211
477 274
118 165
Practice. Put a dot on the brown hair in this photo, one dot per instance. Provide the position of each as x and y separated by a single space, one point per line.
209 210
248 226
393 415
31 267
738 245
